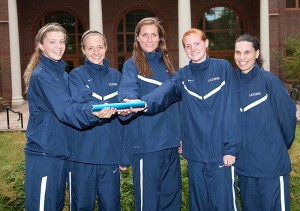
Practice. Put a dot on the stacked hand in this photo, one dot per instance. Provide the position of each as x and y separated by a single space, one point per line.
105 113
125 112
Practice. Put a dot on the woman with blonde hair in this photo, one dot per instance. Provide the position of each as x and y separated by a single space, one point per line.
52 111
95 153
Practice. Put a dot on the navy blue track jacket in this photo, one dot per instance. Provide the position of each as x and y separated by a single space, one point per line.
100 143
210 116
268 124
52 110
148 132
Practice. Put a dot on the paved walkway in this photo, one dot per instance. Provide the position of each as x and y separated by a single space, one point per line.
15 122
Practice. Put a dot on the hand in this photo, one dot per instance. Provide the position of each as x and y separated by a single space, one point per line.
228 160
125 112
180 148
105 113
122 168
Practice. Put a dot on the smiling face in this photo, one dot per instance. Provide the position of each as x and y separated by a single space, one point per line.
245 56
195 47
53 45
148 38
94 48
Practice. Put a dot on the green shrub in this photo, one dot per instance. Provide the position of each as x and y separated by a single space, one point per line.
127 203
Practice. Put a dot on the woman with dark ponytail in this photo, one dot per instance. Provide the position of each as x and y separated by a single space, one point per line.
268 124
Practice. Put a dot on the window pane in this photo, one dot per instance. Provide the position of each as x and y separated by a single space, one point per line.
200 24
120 43
220 18
120 63
229 58
81 60
130 26
70 66
74 30
69 24
71 46
290 3
80 28
129 42
126 36
221 40
222 27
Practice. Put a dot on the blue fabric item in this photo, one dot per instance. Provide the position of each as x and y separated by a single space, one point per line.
100 143
265 193
157 176
147 132
268 123
212 186
52 111
45 181
90 181
210 116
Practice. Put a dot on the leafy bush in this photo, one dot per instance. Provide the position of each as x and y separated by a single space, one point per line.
291 59
127 203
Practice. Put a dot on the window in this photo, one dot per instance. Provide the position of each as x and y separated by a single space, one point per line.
126 35
72 56
222 27
292 4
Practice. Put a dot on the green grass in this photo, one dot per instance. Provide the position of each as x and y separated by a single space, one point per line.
12 175
295 174
12 170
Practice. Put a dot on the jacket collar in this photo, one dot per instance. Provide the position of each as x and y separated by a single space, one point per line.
251 74
199 66
57 66
97 67
153 56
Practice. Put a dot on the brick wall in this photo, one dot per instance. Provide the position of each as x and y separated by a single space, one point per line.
282 24
5 76
167 10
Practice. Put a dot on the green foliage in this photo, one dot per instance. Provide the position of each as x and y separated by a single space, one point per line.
185 188
12 176
12 170
291 60
295 174
127 203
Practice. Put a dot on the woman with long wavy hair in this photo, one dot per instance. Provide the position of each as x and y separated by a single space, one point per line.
152 140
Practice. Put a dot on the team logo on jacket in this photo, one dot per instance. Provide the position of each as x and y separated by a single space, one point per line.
213 79
254 94
112 84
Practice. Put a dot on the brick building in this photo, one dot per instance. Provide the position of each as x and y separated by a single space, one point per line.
272 21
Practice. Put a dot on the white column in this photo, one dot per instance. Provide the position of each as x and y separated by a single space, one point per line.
95 9
15 64
184 23
264 33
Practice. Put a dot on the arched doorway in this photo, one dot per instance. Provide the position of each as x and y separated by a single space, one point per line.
72 24
126 28
222 27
